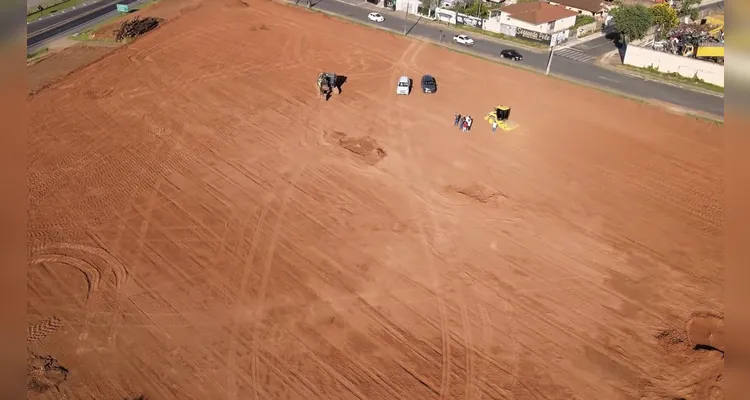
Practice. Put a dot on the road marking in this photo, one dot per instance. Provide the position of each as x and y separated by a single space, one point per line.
574 55
608 79
61 23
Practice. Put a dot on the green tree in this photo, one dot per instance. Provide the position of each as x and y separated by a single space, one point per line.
665 17
632 21
687 9
582 20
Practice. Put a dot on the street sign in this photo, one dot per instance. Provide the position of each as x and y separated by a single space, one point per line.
122 8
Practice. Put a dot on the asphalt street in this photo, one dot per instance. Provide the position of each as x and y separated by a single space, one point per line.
562 66
47 28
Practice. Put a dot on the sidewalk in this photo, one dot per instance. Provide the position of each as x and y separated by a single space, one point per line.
576 42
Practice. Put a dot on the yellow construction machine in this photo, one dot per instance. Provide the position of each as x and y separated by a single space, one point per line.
501 115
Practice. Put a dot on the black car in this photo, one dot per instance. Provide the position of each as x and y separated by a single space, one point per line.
428 84
512 54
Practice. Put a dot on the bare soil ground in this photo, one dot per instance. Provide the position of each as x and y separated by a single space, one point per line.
203 226
61 62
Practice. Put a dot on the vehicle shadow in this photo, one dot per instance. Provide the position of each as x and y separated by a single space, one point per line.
340 81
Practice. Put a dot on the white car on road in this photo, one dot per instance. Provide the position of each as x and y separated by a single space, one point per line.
463 39
373 16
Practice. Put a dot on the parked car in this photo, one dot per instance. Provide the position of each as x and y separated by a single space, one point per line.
373 16
429 85
404 85
511 54
463 39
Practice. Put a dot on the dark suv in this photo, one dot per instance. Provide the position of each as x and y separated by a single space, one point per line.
512 54
428 84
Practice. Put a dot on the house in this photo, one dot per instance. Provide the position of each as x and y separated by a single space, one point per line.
408 6
592 8
537 21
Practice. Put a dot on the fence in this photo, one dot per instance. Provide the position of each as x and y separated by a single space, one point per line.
457 18
665 62
585 29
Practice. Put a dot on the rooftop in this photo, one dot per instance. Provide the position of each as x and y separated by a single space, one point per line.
593 6
537 13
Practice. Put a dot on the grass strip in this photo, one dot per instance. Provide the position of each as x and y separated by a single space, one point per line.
52 9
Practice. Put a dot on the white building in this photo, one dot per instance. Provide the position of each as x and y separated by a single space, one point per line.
538 21
409 6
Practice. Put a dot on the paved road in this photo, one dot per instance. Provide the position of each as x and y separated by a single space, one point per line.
562 66
588 51
47 28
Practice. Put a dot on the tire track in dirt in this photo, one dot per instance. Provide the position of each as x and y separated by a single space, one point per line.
302 159
40 330
468 346
92 274
411 53
267 269
55 254
231 383
486 321
286 193
346 383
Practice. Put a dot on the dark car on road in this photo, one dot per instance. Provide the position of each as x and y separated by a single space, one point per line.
429 85
511 54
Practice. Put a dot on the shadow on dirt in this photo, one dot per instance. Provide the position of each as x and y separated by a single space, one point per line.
340 81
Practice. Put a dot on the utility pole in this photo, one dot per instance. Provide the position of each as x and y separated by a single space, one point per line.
406 15
549 62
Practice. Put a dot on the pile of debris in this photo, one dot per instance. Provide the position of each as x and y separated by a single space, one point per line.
136 27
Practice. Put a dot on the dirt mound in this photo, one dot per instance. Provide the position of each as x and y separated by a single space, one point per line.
45 373
480 193
706 331
672 337
365 148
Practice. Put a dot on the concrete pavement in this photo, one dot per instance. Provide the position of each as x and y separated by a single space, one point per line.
586 73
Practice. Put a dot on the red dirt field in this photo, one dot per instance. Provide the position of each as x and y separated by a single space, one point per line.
202 226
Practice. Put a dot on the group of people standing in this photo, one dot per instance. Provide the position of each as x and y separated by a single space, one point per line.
463 122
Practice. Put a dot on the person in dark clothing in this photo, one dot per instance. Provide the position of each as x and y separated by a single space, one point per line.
456 120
